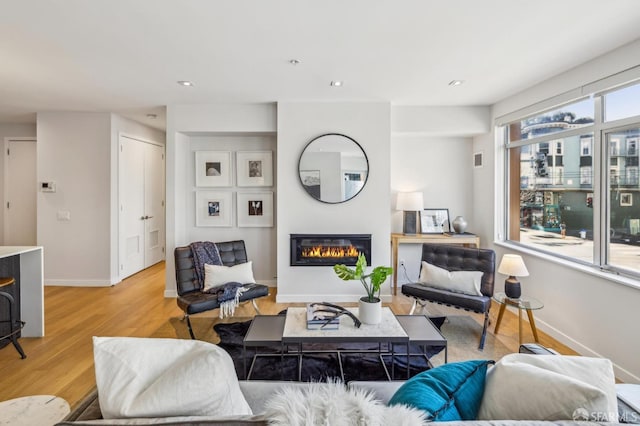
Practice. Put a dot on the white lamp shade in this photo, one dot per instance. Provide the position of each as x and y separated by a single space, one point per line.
410 201
513 265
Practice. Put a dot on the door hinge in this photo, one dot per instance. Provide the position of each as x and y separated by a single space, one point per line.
163 249
7 204
8 151
162 203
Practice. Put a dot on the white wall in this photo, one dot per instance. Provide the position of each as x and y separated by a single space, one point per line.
456 121
79 151
259 242
299 213
74 151
440 168
8 130
588 311
183 123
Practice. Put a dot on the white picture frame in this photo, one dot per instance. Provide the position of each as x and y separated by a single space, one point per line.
213 168
254 168
255 209
214 208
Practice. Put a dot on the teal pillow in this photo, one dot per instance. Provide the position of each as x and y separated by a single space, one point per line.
446 393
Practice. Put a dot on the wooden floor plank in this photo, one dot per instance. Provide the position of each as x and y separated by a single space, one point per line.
61 363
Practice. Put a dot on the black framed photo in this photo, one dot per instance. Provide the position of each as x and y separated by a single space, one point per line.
435 221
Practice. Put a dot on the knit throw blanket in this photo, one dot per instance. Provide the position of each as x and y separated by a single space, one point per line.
229 297
206 252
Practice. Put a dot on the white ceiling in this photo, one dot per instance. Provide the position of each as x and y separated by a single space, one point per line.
125 56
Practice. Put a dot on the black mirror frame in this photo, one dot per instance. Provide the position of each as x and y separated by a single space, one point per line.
363 153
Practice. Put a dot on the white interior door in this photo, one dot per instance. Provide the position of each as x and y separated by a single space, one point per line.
132 221
20 194
141 189
154 204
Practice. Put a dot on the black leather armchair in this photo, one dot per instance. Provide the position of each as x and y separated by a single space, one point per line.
455 258
191 299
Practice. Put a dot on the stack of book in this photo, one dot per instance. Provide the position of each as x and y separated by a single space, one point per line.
317 320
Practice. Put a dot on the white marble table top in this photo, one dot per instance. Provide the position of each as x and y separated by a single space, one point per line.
295 327
41 410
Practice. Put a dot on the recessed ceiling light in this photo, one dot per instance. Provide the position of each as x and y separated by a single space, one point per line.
456 82
294 61
336 83
185 83
152 116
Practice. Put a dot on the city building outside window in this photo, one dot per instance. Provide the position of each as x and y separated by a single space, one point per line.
555 181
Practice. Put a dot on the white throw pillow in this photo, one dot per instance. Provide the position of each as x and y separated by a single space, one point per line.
550 387
467 282
217 275
142 377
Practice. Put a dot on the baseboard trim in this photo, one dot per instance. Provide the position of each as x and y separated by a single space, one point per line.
621 373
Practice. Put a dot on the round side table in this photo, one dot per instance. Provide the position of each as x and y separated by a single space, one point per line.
43 410
529 304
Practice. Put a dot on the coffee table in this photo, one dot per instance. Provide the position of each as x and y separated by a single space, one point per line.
291 331
389 332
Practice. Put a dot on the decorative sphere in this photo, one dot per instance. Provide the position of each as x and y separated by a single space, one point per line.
459 224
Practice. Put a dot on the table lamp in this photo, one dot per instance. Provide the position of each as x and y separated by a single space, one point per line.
410 203
513 266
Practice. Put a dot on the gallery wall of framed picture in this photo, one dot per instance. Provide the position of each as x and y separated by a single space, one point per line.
215 207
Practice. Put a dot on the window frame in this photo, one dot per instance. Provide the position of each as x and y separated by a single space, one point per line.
599 179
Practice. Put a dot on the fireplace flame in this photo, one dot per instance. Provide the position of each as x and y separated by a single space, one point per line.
328 251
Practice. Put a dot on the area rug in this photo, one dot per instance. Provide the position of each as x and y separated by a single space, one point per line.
320 366
462 333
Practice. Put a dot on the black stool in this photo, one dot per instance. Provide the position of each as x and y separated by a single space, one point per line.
15 324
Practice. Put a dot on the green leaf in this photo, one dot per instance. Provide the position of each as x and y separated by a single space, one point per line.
344 273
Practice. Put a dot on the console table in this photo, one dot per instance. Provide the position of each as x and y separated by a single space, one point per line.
397 239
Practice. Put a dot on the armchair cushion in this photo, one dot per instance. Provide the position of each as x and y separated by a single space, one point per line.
217 275
466 282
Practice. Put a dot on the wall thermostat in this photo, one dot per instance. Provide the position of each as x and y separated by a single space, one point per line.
48 187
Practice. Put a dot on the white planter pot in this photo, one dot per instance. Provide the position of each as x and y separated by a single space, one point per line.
370 313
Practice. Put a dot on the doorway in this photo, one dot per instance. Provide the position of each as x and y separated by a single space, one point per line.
141 211
20 189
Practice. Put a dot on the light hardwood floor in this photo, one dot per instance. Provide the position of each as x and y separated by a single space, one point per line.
61 363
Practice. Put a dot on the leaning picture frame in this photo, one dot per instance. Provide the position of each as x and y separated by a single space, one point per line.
254 168
213 168
435 221
255 209
214 208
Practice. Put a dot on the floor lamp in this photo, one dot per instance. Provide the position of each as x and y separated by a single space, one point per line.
410 203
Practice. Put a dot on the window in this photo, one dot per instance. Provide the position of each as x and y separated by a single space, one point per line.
585 146
632 146
566 163
622 103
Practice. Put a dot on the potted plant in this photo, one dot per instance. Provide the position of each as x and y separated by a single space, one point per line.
369 305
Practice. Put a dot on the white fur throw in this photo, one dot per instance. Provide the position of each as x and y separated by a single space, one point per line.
333 404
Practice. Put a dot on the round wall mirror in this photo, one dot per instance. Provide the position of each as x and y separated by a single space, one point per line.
333 168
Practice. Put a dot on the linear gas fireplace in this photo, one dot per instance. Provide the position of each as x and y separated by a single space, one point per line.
329 249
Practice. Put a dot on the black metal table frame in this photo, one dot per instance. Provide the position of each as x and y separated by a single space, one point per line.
390 342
